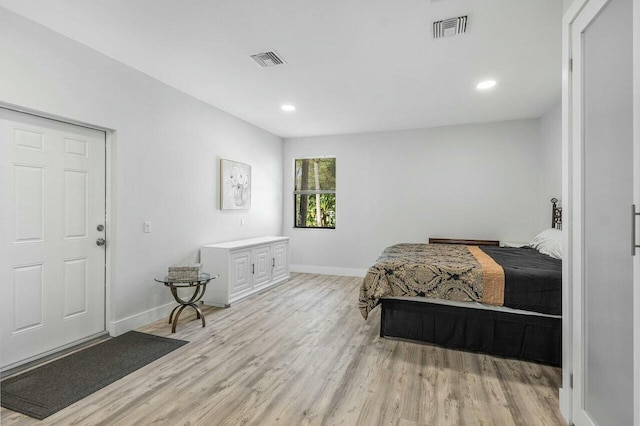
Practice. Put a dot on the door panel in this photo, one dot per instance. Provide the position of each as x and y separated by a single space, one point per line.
28 297
608 179
240 279
603 292
52 291
76 191
262 260
75 283
28 193
280 261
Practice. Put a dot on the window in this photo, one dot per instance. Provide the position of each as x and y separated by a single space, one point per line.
315 193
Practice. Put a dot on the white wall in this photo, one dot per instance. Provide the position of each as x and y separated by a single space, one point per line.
164 164
470 181
550 163
566 4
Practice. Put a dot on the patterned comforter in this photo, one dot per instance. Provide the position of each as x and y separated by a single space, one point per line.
518 278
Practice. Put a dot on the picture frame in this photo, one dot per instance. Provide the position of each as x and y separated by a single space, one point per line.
235 185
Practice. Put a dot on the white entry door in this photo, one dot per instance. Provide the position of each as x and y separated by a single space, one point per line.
52 272
602 195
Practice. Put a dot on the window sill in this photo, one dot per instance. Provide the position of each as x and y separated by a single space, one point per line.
313 227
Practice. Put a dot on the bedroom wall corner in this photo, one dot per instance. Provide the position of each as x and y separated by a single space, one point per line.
466 181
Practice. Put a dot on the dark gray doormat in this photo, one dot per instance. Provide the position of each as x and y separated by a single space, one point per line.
46 390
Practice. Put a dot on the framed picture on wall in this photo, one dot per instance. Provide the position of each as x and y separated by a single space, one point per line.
235 185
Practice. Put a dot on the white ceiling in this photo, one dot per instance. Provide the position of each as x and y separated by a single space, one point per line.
353 65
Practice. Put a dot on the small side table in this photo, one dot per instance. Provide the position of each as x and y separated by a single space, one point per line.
199 286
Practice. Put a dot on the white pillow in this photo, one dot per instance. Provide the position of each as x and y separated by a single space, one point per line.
548 242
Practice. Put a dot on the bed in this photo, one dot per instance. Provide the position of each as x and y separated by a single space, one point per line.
471 295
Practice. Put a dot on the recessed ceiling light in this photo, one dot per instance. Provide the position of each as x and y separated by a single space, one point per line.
288 108
487 84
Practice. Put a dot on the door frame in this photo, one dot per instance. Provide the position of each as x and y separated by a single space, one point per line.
573 212
110 249
566 391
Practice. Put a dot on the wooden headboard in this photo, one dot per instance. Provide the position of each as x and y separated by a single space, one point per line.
556 214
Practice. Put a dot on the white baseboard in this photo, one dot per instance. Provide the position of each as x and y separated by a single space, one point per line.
216 304
119 327
329 270
132 322
565 408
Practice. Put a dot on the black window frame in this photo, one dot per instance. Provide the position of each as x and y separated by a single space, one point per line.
312 192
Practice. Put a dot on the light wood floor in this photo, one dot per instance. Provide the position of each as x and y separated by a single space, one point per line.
301 354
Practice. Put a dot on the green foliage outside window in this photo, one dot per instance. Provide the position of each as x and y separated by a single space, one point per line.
315 193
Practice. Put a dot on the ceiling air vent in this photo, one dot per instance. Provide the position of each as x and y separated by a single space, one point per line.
267 59
450 27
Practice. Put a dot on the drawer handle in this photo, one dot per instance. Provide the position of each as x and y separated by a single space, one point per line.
634 213
253 268
273 262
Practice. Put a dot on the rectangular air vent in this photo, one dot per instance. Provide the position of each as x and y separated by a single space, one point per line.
268 59
450 27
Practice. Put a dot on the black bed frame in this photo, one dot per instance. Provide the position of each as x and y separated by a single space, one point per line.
521 336
528 337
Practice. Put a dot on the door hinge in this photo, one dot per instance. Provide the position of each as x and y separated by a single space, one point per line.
571 380
571 65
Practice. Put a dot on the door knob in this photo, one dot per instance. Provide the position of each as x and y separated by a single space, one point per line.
101 242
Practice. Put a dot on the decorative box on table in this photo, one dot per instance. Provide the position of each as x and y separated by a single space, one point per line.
185 272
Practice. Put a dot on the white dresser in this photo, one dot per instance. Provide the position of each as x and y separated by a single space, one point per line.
245 267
